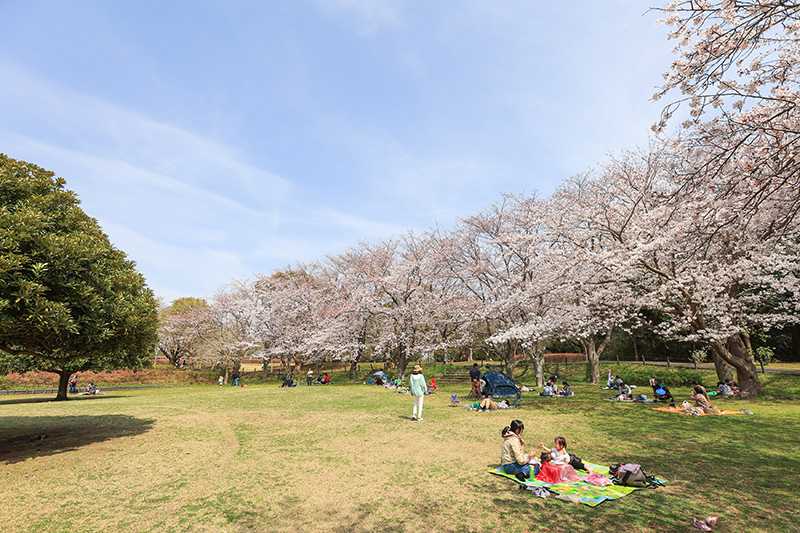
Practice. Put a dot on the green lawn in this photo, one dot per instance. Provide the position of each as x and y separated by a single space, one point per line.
347 458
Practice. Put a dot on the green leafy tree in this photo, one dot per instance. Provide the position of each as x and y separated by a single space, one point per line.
69 300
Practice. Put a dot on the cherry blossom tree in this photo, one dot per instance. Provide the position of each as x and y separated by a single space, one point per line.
351 274
230 327
682 251
497 258
181 327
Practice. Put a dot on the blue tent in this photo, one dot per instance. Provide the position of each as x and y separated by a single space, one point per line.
498 385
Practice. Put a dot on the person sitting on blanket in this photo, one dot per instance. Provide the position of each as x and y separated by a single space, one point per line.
701 400
513 459
555 463
566 390
623 390
724 389
663 394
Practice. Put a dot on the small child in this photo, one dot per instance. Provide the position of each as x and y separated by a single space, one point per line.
555 463
220 381
454 400
559 454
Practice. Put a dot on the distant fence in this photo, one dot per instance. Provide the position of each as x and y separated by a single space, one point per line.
565 357
102 389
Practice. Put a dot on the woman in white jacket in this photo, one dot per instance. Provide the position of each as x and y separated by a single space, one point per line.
418 387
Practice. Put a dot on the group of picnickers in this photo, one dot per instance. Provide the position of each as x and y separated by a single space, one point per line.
90 389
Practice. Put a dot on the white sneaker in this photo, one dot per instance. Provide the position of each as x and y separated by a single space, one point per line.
419 420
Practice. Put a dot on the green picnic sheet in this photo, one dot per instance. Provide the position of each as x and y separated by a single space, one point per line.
576 491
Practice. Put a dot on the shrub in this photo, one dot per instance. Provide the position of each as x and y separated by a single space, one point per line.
764 355
672 377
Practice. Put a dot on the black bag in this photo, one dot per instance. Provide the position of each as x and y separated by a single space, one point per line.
632 475
576 462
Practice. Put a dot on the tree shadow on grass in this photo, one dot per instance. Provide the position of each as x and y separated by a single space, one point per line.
26 437
46 399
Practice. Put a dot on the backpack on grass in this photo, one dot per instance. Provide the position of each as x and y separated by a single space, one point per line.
632 475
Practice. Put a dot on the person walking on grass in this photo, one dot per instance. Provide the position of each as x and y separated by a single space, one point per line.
418 387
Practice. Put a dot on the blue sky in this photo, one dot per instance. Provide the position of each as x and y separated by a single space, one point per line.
216 140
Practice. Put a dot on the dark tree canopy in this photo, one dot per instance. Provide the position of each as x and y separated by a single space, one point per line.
69 300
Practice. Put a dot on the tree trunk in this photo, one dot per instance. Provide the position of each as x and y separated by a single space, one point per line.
735 353
402 362
508 359
795 345
592 361
635 349
469 357
63 381
724 370
537 358
226 375
668 363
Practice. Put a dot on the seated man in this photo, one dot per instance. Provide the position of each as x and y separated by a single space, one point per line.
326 378
566 390
623 390
724 389
662 393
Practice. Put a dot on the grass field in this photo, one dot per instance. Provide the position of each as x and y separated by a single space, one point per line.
347 458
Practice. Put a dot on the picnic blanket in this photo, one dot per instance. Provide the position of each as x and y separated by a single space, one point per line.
576 491
682 412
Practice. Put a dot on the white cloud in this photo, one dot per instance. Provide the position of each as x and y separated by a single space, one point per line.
202 270
189 210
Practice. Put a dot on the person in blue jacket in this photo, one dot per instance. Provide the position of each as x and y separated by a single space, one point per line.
418 387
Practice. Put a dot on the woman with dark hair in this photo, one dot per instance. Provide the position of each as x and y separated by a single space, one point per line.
513 459
701 400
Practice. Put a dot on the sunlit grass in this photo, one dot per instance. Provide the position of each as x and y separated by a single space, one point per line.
348 458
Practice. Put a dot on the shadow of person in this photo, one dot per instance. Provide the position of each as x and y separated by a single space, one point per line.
25 437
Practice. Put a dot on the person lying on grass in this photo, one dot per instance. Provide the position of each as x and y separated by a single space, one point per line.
487 404
513 459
